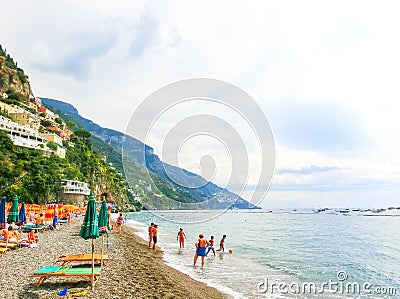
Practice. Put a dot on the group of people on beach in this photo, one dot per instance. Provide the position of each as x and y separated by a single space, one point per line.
203 247
12 233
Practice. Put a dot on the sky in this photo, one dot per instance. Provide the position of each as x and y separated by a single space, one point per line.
325 74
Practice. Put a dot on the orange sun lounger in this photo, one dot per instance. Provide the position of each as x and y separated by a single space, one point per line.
58 271
81 258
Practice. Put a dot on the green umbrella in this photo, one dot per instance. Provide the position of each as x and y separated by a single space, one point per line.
90 228
103 225
13 214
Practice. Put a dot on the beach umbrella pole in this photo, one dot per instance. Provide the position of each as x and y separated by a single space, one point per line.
102 249
92 264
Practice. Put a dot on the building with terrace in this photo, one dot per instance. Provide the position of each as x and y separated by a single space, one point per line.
23 135
73 192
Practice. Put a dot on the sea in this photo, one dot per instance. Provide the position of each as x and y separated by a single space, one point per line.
285 253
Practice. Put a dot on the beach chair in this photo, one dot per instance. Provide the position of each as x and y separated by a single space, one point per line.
3 249
81 258
8 245
58 271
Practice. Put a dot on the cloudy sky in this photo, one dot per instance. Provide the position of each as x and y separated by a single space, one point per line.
326 75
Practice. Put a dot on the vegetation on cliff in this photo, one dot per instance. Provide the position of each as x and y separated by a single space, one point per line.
34 175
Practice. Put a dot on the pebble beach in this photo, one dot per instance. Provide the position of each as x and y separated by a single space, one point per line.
133 270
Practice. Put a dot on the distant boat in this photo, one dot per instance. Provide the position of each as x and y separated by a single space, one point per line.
378 210
321 210
391 208
356 210
344 211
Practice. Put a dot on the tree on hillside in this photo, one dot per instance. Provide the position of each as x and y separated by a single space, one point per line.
71 124
83 133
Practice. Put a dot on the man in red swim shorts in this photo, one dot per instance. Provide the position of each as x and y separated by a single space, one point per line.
181 237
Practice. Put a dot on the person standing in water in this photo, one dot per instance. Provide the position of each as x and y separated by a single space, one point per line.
151 233
155 231
181 237
211 246
221 244
201 246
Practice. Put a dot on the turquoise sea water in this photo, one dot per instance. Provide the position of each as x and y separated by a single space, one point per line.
287 254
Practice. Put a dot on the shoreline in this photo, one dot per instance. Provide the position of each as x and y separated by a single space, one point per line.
226 291
133 270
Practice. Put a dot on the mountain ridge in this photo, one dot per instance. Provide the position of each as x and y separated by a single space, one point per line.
208 195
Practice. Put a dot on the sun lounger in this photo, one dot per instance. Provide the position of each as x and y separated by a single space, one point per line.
3 249
58 271
81 258
35 228
8 245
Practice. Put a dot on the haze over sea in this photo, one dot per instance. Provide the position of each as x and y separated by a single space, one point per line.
277 254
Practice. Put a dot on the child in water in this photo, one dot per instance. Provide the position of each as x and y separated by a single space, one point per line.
211 246
221 244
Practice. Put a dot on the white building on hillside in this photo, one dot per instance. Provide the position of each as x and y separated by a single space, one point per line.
23 135
74 187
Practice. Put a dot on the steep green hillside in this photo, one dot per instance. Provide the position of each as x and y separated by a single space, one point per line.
35 175
146 173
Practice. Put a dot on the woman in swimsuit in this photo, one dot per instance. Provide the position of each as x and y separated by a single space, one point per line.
201 246
151 233
120 221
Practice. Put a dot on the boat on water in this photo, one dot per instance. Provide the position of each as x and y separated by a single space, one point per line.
378 210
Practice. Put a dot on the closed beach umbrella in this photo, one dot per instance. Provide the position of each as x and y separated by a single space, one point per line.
90 227
103 225
103 218
3 213
13 213
22 215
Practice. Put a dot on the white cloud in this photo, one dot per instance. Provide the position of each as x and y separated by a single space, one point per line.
325 74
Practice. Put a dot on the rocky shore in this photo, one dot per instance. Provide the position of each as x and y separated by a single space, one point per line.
133 271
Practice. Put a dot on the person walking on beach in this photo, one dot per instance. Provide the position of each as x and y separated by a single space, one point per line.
151 233
126 218
181 237
211 246
120 221
221 244
201 245
155 231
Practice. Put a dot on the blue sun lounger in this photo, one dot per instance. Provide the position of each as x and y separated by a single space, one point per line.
58 271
